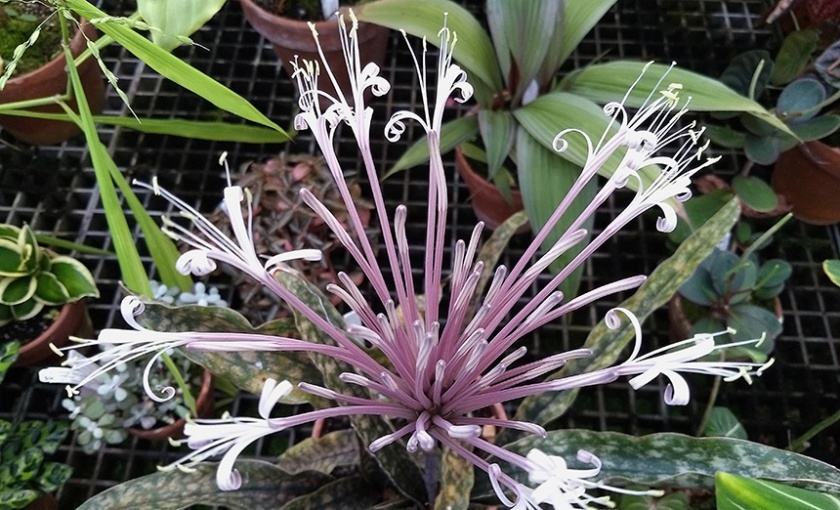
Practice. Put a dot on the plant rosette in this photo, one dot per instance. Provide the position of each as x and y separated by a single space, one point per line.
292 40
808 176
50 79
728 293
32 280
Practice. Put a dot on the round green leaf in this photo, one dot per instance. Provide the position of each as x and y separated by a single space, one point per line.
750 322
816 128
763 150
738 75
75 277
800 96
755 193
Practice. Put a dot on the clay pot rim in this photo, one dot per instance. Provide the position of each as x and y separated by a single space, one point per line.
66 315
285 20
204 407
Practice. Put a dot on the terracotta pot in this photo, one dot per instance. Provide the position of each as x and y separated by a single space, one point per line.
73 320
291 38
809 179
51 80
488 203
679 326
204 405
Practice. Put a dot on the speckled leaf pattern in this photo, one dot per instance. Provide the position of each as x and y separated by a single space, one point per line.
349 493
675 460
263 486
608 344
392 459
340 448
457 477
246 370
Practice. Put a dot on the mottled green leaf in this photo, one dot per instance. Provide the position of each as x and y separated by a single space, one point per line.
832 269
608 344
733 492
263 486
676 460
349 493
8 355
674 501
457 476
324 454
247 370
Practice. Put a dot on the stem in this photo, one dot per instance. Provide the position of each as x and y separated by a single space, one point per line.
801 443
709 405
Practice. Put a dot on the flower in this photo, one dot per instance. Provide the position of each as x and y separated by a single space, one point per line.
445 361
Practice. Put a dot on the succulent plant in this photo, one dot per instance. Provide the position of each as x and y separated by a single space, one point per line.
282 222
32 277
24 472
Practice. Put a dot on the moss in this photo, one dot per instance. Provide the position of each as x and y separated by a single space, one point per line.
17 22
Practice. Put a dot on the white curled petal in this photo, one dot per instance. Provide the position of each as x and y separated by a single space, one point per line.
130 308
312 255
195 262
271 394
493 472
668 221
677 392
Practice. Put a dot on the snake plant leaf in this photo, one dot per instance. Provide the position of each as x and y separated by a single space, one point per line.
497 131
451 134
393 460
324 454
74 276
474 49
680 461
603 83
173 68
170 20
347 493
457 476
723 423
546 182
520 31
733 492
608 344
246 370
263 486
579 19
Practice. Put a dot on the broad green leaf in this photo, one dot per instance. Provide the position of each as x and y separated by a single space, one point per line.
14 291
603 83
393 459
733 492
457 476
246 370
176 18
324 454
724 136
348 493
723 423
794 55
750 322
74 276
816 128
497 132
451 134
520 31
800 99
173 68
50 290
263 486
474 50
579 19
676 460
763 150
832 270
608 344
755 193
17 498
545 179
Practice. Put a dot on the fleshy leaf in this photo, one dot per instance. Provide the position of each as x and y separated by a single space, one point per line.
607 344
723 423
340 448
349 493
75 277
755 193
733 492
794 55
50 290
457 476
741 71
15 291
263 486
800 98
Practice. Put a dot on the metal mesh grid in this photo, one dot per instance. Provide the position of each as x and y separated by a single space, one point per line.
699 34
